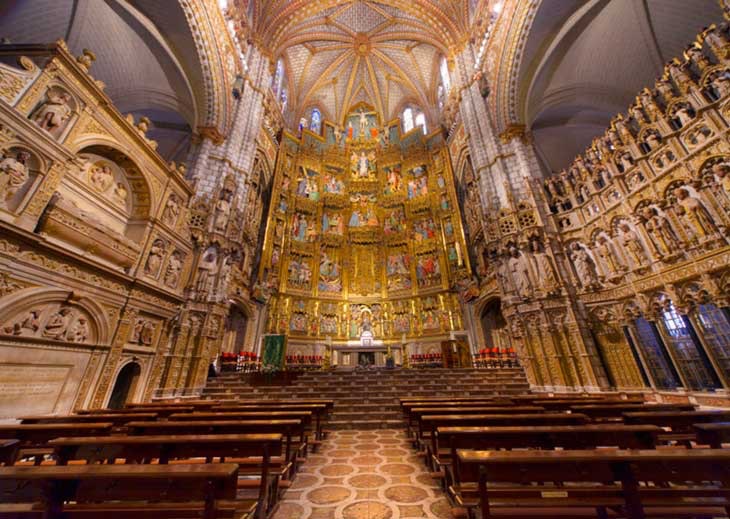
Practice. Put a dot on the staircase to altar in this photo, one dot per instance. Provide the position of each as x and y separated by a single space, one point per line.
369 399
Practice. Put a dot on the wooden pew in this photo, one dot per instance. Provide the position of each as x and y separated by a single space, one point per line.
117 419
304 416
9 451
160 411
430 423
164 448
713 434
289 429
120 492
319 411
680 422
415 413
547 437
549 483
562 404
599 412
34 438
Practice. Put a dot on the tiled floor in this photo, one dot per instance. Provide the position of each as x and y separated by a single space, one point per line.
364 475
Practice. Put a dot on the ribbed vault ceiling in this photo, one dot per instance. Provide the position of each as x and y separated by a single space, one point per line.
339 53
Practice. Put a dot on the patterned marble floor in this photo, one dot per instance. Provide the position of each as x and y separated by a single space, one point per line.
364 475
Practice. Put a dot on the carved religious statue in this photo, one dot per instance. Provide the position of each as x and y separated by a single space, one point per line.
695 216
154 260
13 174
101 177
54 112
546 278
206 272
520 270
57 325
174 267
172 210
659 231
632 245
79 331
222 212
584 265
608 257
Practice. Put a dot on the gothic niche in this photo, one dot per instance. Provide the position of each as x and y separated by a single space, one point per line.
53 321
102 207
54 112
19 169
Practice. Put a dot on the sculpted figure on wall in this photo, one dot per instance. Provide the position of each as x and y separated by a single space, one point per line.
222 212
605 253
28 325
172 210
55 112
57 325
13 174
154 260
101 176
174 267
206 271
546 278
631 243
695 216
520 270
79 331
659 231
584 265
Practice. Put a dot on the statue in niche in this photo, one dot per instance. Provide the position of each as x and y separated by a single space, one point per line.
722 176
659 231
694 213
55 112
174 267
13 174
154 260
428 270
632 245
605 253
547 280
584 265
101 177
121 193
520 270
680 76
206 272
653 140
222 211
363 124
225 276
79 331
57 325
172 210
29 324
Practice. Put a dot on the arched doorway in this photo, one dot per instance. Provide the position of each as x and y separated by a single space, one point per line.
494 326
235 334
125 385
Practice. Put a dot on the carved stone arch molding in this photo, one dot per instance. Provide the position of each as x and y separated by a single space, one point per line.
56 315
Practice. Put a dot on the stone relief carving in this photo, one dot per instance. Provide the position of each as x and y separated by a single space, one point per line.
52 321
155 257
13 174
55 111
174 269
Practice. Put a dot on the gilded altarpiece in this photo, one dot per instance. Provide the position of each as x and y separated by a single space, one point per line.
363 237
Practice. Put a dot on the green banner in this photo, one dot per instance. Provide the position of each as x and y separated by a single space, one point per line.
274 352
